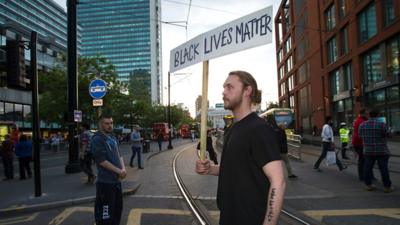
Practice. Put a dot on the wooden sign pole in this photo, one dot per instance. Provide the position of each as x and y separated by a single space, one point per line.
204 112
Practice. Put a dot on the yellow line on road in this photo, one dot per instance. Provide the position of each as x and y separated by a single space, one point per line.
387 212
135 215
68 212
20 219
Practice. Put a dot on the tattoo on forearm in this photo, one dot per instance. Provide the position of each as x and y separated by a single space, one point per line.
270 205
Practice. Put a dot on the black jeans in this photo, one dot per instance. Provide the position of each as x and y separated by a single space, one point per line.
86 165
326 146
383 168
24 166
108 204
8 167
137 150
360 163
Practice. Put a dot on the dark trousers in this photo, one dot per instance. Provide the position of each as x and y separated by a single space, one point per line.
160 145
360 163
213 155
137 150
326 146
24 166
86 165
8 168
383 168
344 148
108 204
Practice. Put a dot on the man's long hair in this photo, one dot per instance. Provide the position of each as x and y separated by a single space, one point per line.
248 80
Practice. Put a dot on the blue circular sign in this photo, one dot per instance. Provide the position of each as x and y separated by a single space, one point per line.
97 88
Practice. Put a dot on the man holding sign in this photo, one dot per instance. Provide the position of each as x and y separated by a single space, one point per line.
251 183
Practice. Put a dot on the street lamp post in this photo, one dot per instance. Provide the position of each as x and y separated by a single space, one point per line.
169 112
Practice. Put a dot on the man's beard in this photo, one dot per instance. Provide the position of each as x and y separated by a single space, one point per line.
233 103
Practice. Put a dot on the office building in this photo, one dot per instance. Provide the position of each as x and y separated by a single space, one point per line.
128 34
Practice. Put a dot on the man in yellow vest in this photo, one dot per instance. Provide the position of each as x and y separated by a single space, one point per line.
344 138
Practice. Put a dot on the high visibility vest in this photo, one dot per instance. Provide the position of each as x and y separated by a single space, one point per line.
344 135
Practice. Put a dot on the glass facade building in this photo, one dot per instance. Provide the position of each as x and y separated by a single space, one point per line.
128 34
17 20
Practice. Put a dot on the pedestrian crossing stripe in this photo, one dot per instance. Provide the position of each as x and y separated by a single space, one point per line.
135 215
60 218
386 212
20 219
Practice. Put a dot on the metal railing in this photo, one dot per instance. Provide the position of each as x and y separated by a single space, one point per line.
294 145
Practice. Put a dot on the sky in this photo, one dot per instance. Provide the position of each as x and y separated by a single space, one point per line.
206 15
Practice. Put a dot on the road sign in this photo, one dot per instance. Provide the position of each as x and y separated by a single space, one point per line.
97 88
98 102
246 32
77 116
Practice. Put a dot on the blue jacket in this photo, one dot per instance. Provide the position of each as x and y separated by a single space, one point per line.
23 149
105 147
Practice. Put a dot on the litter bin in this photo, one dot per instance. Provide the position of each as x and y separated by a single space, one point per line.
146 146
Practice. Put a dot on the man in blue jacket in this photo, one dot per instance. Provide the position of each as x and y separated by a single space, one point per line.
110 169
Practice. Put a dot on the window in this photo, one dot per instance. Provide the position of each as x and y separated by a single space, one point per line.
288 44
287 16
280 31
344 41
342 8
332 50
291 101
304 101
291 82
330 18
372 69
389 12
335 82
281 72
27 116
393 57
367 24
341 79
280 56
347 77
9 111
283 89
3 40
289 63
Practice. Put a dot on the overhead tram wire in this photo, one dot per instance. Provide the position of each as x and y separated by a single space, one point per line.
202 7
187 19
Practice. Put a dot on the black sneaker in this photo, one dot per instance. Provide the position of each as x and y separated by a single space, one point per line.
292 176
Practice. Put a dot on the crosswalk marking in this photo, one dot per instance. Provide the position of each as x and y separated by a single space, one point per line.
387 212
135 215
19 219
68 212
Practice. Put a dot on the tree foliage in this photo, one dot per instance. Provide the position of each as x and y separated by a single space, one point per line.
128 103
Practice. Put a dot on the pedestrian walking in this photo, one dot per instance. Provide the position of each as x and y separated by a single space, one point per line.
210 148
373 134
136 147
23 150
344 139
110 170
55 143
85 155
251 182
281 134
356 141
328 144
160 139
7 155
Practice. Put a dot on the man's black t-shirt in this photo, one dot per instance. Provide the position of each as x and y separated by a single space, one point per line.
242 186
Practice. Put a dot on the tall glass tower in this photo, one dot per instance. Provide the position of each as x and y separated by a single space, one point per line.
128 33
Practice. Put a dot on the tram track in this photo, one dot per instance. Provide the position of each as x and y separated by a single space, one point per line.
202 216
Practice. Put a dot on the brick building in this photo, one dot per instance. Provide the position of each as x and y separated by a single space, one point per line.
338 56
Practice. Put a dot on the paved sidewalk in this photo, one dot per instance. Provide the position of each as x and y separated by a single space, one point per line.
60 189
